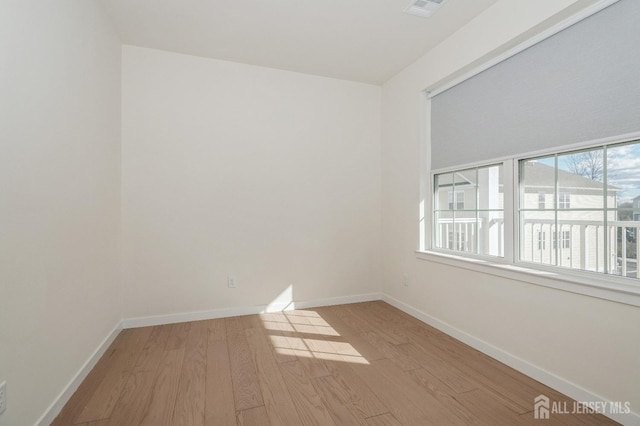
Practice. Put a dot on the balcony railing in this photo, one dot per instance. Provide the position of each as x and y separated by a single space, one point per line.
578 244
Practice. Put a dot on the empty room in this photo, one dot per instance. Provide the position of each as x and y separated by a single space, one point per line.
338 212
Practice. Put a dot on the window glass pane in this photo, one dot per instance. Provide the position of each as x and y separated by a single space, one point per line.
465 189
490 188
536 237
443 185
456 211
491 232
443 225
623 176
625 245
582 240
537 176
580 180
465 232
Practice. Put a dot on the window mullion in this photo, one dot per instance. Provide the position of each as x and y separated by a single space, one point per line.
605 187
510 210
555 215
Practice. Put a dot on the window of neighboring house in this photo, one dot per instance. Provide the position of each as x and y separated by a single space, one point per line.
564 201
457 198
590 222
542 240
468 210
566 239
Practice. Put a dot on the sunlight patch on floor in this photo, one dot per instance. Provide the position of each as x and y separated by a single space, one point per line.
306 334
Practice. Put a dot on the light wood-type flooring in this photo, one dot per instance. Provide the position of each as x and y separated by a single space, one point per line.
358 364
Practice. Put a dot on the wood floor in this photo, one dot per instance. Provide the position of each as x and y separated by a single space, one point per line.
359 364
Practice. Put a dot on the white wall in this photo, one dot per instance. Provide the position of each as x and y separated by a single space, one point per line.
230 169
59 208
590 342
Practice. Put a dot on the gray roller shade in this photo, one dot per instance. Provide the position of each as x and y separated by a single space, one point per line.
581 84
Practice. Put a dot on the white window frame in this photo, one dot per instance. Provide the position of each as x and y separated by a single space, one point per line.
596 284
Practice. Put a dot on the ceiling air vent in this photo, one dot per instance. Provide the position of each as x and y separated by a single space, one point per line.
423 8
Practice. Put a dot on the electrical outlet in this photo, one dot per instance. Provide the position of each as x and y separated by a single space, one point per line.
231 281
3 397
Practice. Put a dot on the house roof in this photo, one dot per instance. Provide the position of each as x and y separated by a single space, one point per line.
541 175
537 175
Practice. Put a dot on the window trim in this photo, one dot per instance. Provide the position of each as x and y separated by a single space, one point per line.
595 284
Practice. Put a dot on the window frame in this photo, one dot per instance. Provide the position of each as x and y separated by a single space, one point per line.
507 188
596 284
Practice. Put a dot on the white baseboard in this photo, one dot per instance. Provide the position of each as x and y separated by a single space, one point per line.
54 409
245 310
553 381
340 300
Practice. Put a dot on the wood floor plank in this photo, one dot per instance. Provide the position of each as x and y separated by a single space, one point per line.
217 330
386 419
377 338
467 370
305 398
178 335
152 351
357 391
165 389
256 416
455 380
364 348
408 401
246 389
439 390
337 401
134 402
190 401
275 394
281 334
386 327
487 410
96 423
110 388
219 405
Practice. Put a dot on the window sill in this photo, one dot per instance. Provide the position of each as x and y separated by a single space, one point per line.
608 287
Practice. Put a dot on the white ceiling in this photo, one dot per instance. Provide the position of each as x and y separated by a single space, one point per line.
361 40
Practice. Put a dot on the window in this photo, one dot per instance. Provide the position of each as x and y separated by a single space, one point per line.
541 196
456 197
584 203
542 240
469 210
